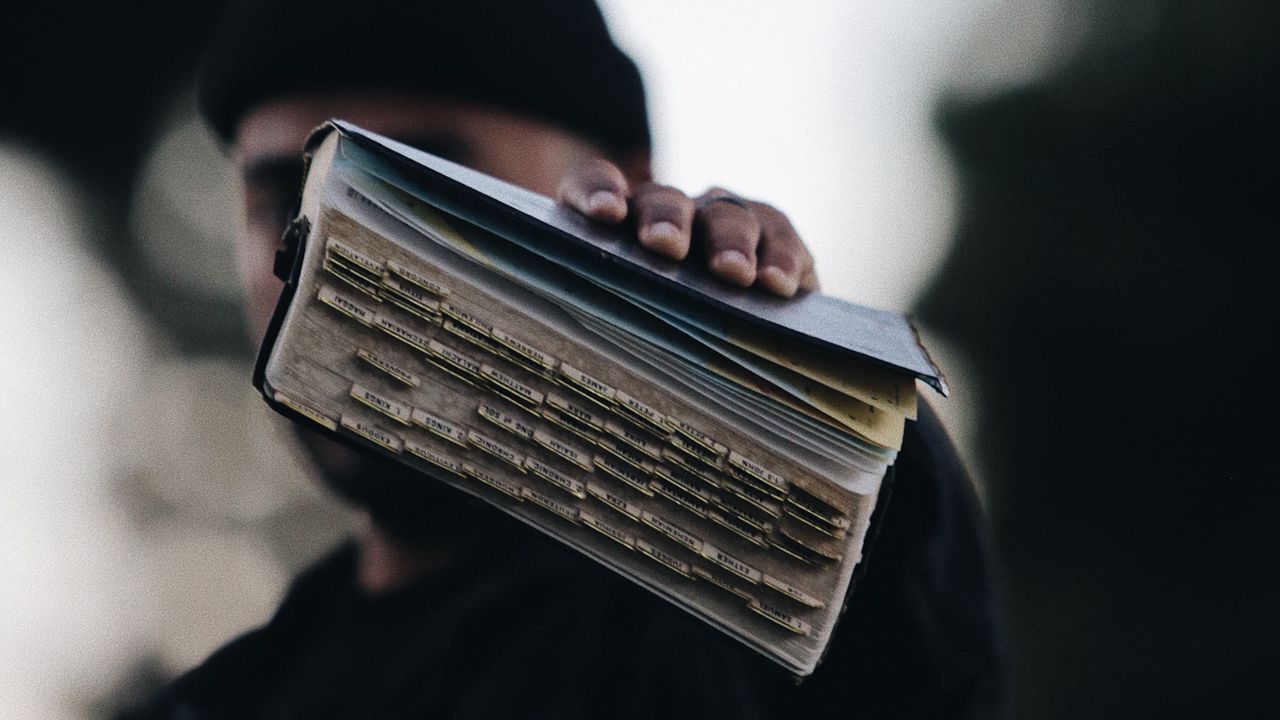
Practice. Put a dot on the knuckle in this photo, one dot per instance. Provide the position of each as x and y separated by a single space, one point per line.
598 165
773 219
664 201
599 174
786 263
787 257
659 190
771 216
655 211
729 215
732 227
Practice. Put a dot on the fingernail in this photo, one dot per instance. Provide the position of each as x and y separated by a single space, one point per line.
779 282
602 200
661 235
732 265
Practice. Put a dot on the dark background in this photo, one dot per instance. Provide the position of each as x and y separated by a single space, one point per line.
1112 287
1113 282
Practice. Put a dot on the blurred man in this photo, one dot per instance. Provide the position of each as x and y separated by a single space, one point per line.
442 608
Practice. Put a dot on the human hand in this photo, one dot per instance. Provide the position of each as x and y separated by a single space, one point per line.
745 242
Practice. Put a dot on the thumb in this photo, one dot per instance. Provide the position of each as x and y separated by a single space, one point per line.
597 189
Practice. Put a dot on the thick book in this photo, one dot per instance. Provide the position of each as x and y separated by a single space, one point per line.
722 448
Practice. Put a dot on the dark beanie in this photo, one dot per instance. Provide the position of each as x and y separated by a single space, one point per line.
548 59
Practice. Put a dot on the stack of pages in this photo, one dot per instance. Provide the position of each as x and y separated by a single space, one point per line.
721 448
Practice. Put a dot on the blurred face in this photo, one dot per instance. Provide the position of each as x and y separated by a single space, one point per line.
269 144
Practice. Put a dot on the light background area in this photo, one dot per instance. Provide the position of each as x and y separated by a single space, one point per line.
824 109
145 496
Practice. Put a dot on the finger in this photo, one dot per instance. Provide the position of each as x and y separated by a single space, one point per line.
784 260
731 234
596 188
664 217
810 281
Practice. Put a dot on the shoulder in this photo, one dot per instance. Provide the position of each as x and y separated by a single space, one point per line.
922 635
231 681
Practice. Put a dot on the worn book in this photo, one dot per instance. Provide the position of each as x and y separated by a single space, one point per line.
720 447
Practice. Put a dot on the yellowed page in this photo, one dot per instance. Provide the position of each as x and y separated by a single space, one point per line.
883 389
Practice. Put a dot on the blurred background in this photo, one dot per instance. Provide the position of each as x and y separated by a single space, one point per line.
1071 197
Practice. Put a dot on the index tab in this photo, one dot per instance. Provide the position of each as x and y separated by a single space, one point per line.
584 382
636 410
817 509
720 582
756 483
570 485
745 517
397 373
682 461
497 482
742 529
393 409
675 494
413 339
496 449
822 491
695 451
686 482
671 530
543 361
623 472
411 293
614 501
505 420
466 317
464 365
439 426
563 449
758 471
412 308
780 616
306 411
807 551
510 387
438 459
715 448
373 433
666 559
345 305
418 279
352 279
576 411
754 497
635 439
471 335
809 520
625 454
792 592
564 510
622 538
354 258
731 563
568 423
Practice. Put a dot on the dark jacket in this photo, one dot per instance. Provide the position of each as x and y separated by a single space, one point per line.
545 633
